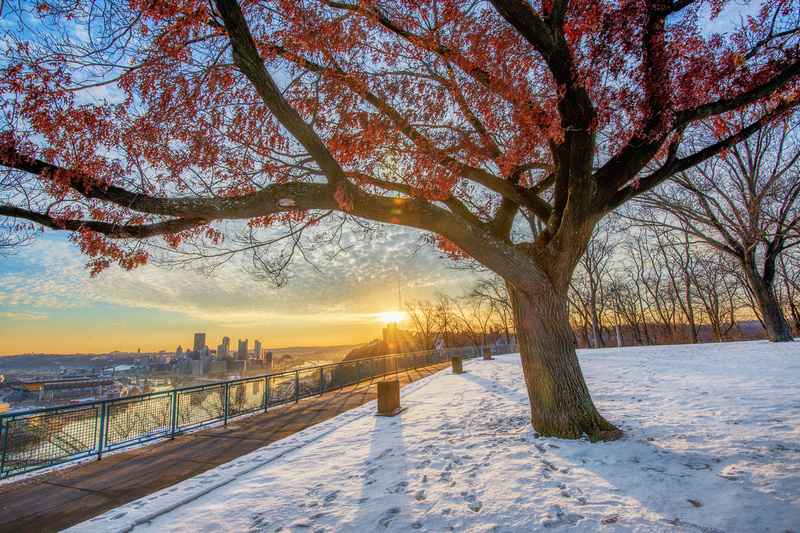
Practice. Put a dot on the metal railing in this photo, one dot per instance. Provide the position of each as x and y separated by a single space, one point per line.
37 439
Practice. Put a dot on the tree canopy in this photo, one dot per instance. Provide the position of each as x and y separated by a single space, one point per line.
423 114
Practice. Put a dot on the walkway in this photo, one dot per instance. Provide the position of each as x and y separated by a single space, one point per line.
55 500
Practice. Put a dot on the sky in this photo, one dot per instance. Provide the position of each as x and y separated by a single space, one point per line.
50 304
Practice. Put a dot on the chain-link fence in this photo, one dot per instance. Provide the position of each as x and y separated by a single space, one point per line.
32 440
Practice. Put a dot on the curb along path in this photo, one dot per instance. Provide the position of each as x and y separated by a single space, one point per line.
55 500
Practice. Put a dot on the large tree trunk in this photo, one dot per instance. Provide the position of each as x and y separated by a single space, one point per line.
771 313
560 402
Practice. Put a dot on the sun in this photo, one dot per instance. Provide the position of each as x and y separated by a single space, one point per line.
392 316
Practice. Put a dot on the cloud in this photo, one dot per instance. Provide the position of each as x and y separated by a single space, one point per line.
30 315
350 288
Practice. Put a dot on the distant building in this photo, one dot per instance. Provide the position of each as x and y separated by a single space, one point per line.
183 366
268 360
226 341
218 367
179 351
390 332
61 388
222 351
242 352
239 367
257 350
199 341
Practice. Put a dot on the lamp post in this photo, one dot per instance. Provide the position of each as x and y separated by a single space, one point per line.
613 292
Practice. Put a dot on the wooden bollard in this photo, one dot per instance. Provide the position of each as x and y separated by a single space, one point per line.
389 398
457 367
487 354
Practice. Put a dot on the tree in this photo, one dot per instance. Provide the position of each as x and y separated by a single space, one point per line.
745 204
423 317
670 260
790 274
716 288
492 291
593 267
133 124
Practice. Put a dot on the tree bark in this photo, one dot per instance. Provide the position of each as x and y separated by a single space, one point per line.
771 313
560 402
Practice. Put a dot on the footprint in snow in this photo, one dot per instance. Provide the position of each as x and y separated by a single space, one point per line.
388 517
562 519
330 498
399 487
472 500
383 454
371 471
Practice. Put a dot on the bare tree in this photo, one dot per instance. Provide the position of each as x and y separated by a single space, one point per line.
629 307
743 203
492 291
789 269
593 267
716 288
422 315
446 319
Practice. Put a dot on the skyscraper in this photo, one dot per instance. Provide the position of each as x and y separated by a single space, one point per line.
242 353
227 342
222 351
257 349
199 341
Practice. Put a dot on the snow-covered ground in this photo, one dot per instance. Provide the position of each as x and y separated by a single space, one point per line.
712 444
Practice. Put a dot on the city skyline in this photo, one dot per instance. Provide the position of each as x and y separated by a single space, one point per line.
50 304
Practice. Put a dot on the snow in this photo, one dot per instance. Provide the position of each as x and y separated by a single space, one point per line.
712 444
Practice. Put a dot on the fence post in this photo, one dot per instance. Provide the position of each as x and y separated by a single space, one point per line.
227 402
174 412
341 376
4 431
102 430
296 386
266 393
321 381
358 372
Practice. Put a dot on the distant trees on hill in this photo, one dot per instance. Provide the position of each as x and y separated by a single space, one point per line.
480 316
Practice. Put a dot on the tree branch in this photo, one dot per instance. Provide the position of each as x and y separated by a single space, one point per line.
111 230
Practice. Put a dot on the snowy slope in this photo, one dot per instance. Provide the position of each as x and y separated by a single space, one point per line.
712 444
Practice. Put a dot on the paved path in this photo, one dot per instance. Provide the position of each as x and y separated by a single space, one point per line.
58 499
